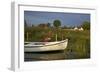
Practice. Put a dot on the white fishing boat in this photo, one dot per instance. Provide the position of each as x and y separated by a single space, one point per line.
45 46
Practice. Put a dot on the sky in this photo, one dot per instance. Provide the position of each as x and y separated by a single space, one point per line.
68 19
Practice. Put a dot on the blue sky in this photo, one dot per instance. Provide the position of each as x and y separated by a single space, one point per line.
68 19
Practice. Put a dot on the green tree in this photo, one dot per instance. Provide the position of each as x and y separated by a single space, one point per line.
86 25
56 24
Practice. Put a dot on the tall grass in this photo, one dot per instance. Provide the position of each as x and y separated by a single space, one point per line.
79 43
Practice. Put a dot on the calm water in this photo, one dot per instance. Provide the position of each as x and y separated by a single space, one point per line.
53 55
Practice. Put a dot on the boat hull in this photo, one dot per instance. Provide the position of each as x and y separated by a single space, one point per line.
49 46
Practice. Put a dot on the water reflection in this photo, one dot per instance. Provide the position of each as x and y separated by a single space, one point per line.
52 55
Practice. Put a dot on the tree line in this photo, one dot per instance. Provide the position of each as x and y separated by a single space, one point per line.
57 23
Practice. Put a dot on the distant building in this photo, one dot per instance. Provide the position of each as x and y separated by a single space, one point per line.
81 29
75 28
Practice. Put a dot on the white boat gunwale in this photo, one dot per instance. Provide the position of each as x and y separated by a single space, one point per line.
58 42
